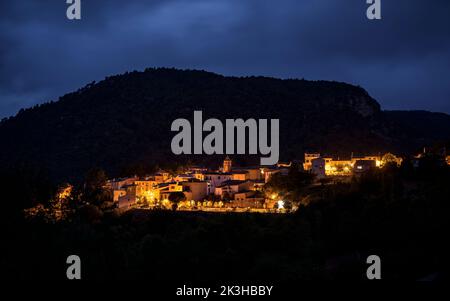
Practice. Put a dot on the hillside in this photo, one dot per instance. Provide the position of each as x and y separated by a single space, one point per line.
125 120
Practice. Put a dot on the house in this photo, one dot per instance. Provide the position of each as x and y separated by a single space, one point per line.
129 199
120 182
258 185
162 177
198 189
254 173
118 193
126 202
230 187
240 175
215 179
307 165
268 172
318 167
183 177
248 199
145 185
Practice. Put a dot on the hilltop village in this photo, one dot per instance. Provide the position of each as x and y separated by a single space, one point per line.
229 188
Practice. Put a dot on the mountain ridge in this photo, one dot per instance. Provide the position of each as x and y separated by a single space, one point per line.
125 119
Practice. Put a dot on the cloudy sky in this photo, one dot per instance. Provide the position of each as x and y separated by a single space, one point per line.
403 60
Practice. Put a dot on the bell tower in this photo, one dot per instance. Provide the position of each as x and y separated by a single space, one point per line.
227 164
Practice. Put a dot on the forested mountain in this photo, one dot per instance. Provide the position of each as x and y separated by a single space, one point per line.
125 120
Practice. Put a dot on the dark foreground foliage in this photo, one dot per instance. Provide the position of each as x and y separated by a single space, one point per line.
398 214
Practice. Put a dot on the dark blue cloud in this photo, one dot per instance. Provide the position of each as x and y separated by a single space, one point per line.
402 60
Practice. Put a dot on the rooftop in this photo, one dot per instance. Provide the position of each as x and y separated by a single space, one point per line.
231 182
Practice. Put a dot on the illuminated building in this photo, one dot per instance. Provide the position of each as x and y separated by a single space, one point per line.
308 160
248 199
231 187
318 167
197 189
227 164
215 179
338 167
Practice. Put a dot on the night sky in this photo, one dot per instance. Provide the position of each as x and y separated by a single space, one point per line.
403 61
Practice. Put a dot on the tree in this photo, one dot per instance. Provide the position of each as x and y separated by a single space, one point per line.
389 158
94 191
95 179
175 198
291 185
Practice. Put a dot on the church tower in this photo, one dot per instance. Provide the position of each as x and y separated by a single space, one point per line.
227 164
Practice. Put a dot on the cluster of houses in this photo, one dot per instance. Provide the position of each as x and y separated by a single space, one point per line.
234 189
219 190
323 166
229 188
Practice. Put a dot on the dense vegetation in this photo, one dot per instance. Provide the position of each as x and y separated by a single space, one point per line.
123 122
